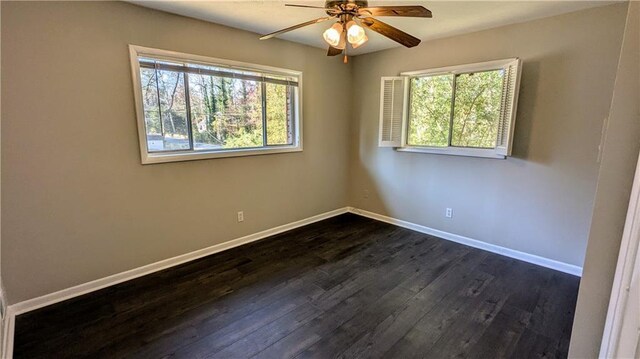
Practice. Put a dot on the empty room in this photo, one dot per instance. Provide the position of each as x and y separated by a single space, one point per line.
319 179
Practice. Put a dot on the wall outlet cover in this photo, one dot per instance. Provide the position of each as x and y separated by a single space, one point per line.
449 213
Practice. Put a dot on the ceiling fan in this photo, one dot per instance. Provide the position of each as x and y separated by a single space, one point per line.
351 16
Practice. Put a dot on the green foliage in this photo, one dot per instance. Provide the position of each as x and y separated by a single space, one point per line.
244 138
277 124
476 110
430 110
225 112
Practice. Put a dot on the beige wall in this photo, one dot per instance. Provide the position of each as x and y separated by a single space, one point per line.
615 179
540 200
78 205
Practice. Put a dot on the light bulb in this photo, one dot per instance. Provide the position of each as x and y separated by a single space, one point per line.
355 33
332 34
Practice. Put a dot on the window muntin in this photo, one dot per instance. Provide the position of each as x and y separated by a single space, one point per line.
191 109
455 109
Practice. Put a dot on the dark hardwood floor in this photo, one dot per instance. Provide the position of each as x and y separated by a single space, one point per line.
345 287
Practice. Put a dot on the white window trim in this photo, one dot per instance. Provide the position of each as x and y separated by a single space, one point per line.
461 69
455 151
458 69
161 157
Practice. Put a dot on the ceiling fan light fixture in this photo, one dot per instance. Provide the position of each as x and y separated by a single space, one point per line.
351 18
333 35
355 33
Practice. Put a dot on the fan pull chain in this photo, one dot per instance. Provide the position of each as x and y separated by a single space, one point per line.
345 60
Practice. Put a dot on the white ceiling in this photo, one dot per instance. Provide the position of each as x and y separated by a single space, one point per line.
449 17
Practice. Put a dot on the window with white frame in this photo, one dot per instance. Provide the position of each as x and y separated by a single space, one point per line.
464 110
193 107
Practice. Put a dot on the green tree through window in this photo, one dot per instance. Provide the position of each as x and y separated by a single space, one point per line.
430 111
477 109
461 110
224 112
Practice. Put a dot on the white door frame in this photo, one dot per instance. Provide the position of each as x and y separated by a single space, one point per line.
621 331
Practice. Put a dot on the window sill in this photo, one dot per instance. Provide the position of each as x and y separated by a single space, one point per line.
152 158
454 151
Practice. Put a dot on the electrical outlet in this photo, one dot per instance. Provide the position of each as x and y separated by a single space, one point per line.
448 213
365 194
241 216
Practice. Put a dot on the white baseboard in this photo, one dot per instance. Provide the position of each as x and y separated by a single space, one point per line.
8 325
64 294
59 296
526 257
6 343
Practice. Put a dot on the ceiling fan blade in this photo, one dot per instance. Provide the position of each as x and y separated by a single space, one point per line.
410 11
309 6
333 51
390 32
332 11
294 27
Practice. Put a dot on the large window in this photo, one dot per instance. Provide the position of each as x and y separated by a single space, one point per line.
191 107
460 110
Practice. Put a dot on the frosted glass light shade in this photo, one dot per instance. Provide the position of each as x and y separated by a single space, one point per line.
362 41
333 34
355 33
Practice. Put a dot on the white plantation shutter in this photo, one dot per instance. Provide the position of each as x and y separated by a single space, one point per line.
510 87
392 105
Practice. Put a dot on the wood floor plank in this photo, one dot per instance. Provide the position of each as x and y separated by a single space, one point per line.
501 337
332 345
534 345
468 328
214 339
553 314
332 318
261 339
217 329
435 304
344 287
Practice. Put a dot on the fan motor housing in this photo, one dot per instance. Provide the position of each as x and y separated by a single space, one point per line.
345 4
